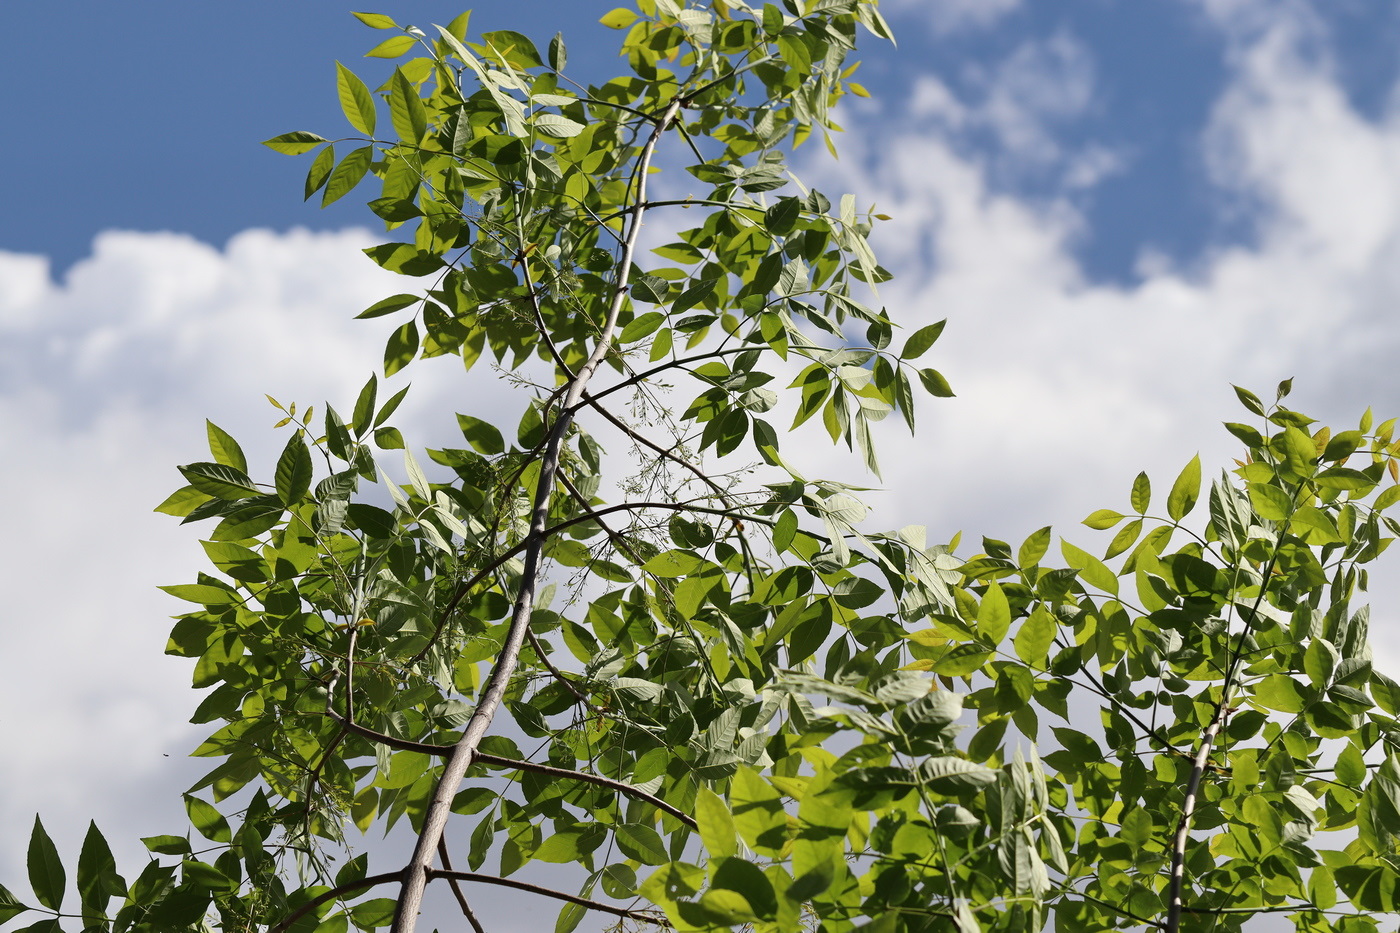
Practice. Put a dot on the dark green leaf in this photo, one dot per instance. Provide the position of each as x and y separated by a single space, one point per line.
389 305
935 384
220 481
294 470
920 341
46 873
320 171
401 348
10 907
482 435
208 821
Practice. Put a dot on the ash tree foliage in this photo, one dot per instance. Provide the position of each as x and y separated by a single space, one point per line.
714 692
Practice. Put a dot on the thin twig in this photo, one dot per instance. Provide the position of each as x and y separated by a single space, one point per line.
442 751
550 892
457 888
331 895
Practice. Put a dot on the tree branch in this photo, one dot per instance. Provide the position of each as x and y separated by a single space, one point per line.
550 892
1183 826
440 751
415 875
457 888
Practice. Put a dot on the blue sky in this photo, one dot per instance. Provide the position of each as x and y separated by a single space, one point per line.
1121 206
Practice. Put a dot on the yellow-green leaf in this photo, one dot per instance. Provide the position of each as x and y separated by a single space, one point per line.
1185 490
355 100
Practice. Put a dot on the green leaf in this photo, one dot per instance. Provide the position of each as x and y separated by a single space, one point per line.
208 821
182 502
355 100
363 418
717 829
1141 496
294 143
1035 637
949 775
1283 693
1125 538
485 437
46 875
1270 502
10 906
558 55
406 109
619 18
349 173
376 912
1091 570
556 126
935 384
1250 436
1249 400
993 615
98 880
294 470
1104 518
224 448
320 171
376 20
921 340
515 47
220 481
1185 490
392 47
390 406
203 594
1299 451
1351 767
401 348
1034 547
388 306
758 812
1387 498
641 842
1343 478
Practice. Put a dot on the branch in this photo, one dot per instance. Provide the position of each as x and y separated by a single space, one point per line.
465 586
441 751
457 889
1183 826
332 894
415 875
550 892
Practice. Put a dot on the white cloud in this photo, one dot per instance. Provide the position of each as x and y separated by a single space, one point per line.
1068 387
105 379
1011 113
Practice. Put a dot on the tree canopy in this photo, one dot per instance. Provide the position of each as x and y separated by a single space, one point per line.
633 636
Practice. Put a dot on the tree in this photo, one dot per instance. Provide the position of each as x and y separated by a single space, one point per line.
379 652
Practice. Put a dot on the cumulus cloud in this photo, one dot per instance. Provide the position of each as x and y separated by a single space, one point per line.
1068 387
1009 115
106 378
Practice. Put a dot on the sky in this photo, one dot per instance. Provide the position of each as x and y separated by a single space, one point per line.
1122 207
